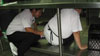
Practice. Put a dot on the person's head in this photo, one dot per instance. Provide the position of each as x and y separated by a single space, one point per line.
36 12
79 10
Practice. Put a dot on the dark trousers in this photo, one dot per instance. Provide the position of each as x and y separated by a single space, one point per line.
68 41
23 41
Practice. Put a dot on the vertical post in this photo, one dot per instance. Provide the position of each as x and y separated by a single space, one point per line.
59 31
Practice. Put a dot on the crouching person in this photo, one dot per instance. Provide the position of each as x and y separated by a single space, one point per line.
20 32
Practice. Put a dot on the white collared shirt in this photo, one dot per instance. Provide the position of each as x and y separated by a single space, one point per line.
20 22
70 22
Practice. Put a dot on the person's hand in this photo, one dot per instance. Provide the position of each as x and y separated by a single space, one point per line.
83 47
41 33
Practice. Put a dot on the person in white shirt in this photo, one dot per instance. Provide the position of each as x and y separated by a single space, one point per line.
20 31
70 25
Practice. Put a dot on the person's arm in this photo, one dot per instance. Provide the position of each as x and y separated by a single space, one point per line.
35 26
29 29
78 41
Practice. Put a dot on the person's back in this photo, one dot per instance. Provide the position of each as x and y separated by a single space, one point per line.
70 22
16 24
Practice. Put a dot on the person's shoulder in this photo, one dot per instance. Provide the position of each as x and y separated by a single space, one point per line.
74 12
70 12
25 13
67 9
26 10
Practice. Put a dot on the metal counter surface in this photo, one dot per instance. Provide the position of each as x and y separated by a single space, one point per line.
52 4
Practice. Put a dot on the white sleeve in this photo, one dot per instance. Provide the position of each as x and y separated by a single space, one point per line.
75 21
26 21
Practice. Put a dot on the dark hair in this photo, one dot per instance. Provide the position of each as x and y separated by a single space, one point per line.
36 9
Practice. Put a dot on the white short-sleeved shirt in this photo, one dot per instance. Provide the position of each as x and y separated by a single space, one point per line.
70 22
20 22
